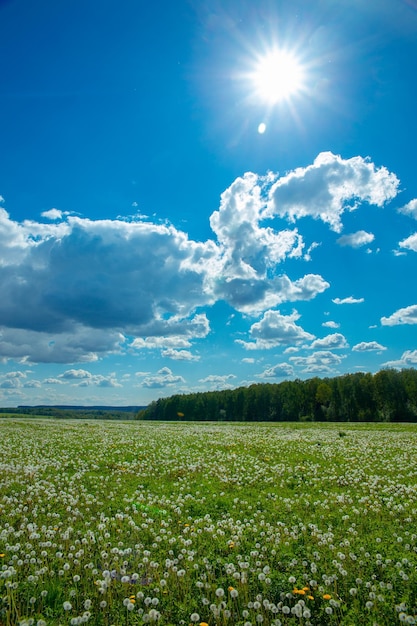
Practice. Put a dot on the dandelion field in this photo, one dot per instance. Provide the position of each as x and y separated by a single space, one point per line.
113 523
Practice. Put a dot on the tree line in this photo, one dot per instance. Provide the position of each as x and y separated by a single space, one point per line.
387 396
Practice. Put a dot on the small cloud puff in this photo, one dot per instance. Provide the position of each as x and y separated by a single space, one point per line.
163 378
331 324
274 330
323 362
331 342
408 359
356 240
179 355
281 370
410 208
407 315
52 214
410 243
368 346
217 381
348 300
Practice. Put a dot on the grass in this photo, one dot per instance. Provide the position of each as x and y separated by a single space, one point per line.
114 523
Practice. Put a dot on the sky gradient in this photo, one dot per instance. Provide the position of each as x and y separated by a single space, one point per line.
165 227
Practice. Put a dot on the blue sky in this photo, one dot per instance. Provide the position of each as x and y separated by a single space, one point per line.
170 223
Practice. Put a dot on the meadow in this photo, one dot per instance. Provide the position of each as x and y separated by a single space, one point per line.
130 523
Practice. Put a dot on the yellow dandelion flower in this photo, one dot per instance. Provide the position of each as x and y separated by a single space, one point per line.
230 588
203 624
310 597
1 555
327 596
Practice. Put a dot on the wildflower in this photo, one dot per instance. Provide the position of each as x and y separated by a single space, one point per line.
327 596
194 617
203 624
67 606
300 592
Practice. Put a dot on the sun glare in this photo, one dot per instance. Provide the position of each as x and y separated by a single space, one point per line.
277 76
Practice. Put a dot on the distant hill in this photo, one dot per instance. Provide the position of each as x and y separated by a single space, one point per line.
76 407
67 411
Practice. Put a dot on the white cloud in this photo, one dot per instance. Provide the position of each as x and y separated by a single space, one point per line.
76 345
313 246
410 243
408 359
356 240
71 290
329 187
75 374
407 315
368 346
217 378
322 362
84 378
52 214
331 342
278 371
32 384
331 324
75 290
348 300
217 381
274 330
179 355
410 208
163 378
254 296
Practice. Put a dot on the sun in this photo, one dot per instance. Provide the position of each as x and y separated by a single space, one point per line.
277 76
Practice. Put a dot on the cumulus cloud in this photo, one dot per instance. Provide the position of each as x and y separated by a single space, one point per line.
368 346
75 374
356 240
331 324
52 214
410 243
32 384
323 362
84 378
217 378
408 359
407 315
179 355
247 275
348 300
278 371
75 290
329 187
163 378
274 330
331 342
410 208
